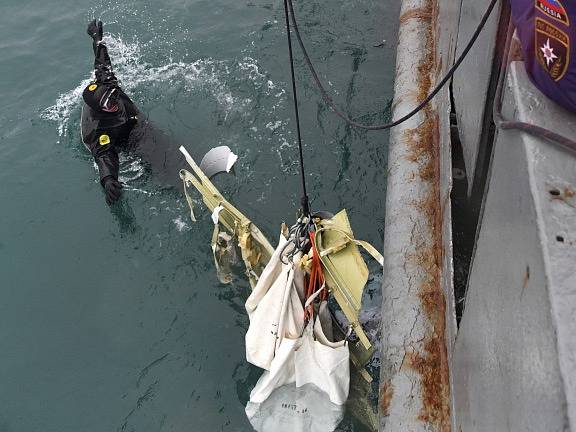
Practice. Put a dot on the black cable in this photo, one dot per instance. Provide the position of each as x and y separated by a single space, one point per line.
328 100
305 204
540 132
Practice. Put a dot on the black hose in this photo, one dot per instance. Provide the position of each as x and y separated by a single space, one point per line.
328 100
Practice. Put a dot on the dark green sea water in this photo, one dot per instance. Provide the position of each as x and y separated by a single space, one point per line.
113 319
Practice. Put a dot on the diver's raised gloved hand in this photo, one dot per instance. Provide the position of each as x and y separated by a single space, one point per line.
112 188
95 30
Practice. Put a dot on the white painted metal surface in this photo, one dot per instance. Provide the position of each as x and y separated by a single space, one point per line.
470 83
446 28
515 359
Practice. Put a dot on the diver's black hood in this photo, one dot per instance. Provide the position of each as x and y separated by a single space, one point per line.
93 95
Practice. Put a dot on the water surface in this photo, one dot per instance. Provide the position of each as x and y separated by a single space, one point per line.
113 319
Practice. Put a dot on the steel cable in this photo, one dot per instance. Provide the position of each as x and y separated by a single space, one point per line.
328 100
305 204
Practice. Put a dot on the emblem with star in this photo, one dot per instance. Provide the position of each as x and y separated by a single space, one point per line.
548 52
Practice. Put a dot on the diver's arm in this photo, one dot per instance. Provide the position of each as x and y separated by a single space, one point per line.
103 65
106 157
104 153
101 56
102 62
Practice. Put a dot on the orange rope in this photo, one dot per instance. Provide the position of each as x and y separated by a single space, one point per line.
316 281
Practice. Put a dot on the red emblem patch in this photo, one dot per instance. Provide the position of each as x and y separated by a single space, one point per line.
554 9
552 49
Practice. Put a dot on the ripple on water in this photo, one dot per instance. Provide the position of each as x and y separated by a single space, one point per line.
247 104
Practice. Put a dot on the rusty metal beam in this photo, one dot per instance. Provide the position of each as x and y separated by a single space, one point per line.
417 309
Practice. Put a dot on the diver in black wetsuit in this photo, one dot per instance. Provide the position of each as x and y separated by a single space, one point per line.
114 114
111 123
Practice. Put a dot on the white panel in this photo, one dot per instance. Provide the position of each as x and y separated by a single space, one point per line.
514 365
470 82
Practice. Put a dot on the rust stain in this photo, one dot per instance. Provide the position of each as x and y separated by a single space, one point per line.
526 280
565 196
385 397
423 143
516 51
422 14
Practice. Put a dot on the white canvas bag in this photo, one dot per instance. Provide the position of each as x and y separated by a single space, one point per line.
310 359
270 309
295 409
282 367
321 362
293 357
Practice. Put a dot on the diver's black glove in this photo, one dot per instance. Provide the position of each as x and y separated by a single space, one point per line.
112 188
95 30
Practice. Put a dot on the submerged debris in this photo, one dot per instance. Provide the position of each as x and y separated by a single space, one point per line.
282 339
218 160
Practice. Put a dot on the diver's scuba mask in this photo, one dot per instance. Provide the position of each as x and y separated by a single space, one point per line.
101 97
109 100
